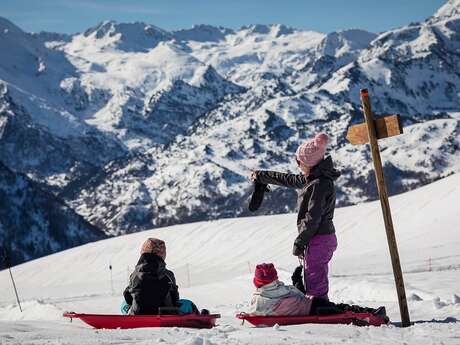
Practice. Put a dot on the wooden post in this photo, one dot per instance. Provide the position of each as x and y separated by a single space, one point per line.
383 194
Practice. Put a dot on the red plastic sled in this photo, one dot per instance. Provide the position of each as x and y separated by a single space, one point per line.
138 321
358 319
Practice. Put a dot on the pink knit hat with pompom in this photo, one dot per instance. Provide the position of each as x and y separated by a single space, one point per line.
312 151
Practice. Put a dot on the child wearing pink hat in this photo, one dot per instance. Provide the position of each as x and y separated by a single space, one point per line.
272 297
316 240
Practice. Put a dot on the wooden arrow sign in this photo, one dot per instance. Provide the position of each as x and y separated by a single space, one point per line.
386 126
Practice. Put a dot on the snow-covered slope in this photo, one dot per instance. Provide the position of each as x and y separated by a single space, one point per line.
137 127
214 260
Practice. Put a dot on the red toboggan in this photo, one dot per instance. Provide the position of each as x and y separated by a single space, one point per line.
357 319
138 321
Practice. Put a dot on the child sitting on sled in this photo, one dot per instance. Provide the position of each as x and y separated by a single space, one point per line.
273 298
152 288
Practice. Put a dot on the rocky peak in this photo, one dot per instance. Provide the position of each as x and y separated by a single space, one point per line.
128 37
274 30
203 33
450 10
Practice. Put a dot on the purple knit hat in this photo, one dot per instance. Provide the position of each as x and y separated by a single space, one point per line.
312 151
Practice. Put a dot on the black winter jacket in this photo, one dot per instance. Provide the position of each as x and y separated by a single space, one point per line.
151 286
315 202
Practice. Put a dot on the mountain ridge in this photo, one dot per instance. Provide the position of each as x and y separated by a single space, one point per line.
135 133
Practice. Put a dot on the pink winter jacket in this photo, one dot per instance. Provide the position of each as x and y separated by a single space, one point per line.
279 299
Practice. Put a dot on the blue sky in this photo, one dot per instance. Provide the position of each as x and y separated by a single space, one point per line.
326 15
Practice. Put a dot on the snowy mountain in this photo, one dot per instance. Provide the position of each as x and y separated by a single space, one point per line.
127 37
202 33
136 127
410 70
214 263
35 223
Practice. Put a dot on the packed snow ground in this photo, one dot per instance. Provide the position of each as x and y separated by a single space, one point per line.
213 260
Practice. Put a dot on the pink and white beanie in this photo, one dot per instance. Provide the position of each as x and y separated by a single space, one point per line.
312 151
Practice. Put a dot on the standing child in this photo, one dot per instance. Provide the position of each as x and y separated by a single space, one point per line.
316 241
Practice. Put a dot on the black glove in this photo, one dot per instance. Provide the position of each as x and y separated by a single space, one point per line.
128 297
297 250
297 280
257 196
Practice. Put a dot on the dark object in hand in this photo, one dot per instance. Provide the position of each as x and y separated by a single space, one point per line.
297 251
297 280
257 196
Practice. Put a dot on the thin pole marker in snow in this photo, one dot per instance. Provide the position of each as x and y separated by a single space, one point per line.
111 279
6 260
188 276
378 129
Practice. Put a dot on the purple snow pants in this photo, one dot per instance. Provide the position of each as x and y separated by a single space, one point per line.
316 259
